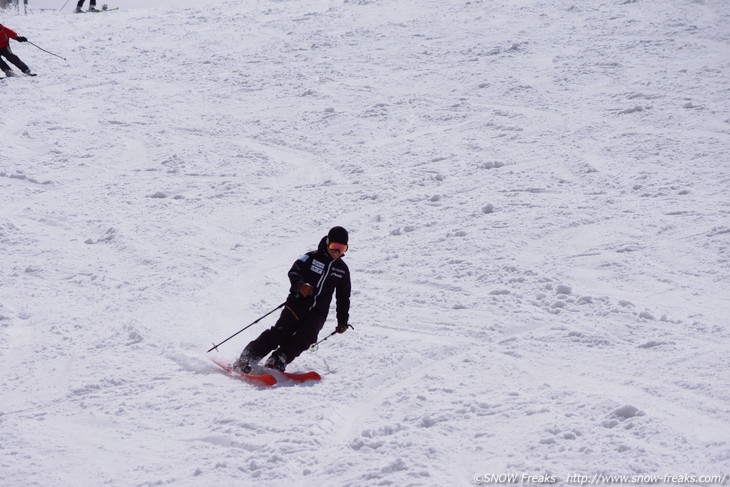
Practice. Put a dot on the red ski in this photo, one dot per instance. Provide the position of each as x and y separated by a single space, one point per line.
304 377
263 379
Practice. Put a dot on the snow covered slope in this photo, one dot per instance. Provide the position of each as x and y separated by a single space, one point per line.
540 232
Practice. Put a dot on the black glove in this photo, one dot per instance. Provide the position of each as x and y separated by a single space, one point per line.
22 39
342 328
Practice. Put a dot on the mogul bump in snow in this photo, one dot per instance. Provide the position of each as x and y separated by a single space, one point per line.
314 277
5 52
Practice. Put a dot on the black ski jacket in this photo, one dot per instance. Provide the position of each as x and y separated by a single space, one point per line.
326 276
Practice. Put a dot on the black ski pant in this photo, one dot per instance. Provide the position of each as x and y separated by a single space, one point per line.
92 3
8 54
292 334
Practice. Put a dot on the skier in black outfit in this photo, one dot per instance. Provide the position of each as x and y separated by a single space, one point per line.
92 6
314 278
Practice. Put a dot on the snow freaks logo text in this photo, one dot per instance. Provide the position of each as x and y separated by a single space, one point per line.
599 479
514 478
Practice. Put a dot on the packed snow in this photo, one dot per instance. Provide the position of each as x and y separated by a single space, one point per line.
537 199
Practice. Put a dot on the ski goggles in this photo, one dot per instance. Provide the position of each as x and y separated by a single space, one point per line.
341 248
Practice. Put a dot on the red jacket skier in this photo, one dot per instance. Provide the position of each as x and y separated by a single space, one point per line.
5 52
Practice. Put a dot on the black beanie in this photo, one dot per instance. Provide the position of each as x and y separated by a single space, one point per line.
338 235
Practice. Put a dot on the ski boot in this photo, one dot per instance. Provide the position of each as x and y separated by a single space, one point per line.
275 362
242 365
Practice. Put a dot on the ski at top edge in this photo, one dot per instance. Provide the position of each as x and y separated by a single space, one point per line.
96 11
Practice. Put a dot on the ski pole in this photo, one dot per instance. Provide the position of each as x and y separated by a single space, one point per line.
215 347
49 52
315 346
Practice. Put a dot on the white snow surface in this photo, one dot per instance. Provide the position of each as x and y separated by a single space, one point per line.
537 199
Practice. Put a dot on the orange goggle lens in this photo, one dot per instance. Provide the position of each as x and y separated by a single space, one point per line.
341 248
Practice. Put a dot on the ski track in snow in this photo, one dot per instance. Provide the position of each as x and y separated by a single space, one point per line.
537 198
